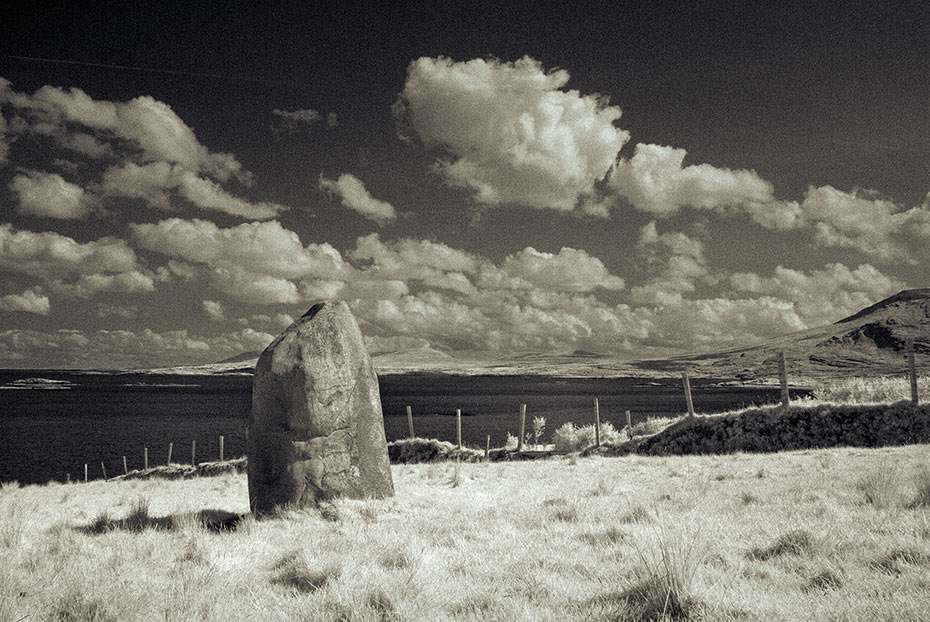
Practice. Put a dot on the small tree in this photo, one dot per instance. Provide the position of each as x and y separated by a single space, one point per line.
539 426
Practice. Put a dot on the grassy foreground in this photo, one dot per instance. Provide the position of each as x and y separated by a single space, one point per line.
829 534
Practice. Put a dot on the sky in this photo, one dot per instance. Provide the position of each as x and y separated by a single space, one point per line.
179 183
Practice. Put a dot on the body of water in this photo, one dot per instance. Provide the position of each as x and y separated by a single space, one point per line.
53 422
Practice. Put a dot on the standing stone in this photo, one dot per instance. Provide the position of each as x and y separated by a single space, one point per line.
316 430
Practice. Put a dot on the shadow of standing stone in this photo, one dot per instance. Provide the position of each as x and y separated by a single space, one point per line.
316 430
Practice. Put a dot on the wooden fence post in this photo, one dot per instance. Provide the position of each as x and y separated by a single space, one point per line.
458 426
487 449
221 447
104 469
597 424
145 455
687 383
629 425
912 371
170 448
522 427
194 453
85 472
125 468
410 422
783 379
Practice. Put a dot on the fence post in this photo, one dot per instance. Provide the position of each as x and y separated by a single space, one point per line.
85 472
629 425
125 468
487 449
458 426
912 371
410 421
783 379
145 455
170 448
67 478
597 424
194 453
104 469
522 427
221 447
687 383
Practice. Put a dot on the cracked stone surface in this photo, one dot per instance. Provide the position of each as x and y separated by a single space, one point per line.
316 430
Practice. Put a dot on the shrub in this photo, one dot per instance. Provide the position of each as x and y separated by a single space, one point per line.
539 427
858 390
571 438
652 425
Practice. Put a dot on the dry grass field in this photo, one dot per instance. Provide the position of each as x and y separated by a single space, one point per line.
830 534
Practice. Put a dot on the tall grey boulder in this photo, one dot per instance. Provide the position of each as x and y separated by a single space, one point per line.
316 430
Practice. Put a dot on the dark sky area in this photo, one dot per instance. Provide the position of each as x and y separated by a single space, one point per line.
178 182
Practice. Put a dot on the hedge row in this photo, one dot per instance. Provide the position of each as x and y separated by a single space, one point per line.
799 427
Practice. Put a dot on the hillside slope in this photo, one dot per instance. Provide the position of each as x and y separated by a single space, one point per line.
871 342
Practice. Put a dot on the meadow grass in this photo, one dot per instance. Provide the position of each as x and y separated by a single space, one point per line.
587 538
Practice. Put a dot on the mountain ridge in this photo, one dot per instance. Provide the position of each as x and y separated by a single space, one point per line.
871 341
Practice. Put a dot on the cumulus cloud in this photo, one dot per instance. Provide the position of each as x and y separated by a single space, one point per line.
717 323
510 131
673 262
570 270
821 296
214 309
262 247
431 263
291 121
30 301
4 140
655 181
256 262
52 255
863 221
155 183
158 156
48 195
70 268
148 125
353 194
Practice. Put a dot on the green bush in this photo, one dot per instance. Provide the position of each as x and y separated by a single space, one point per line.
571 438
858 390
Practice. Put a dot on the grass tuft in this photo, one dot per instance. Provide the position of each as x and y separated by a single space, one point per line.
880 487
922 485
796 542
666 592
611 536
896 561
138 518
824 581
381 605
638 514
78 607
293 572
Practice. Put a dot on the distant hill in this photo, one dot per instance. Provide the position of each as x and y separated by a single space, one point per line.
871 341
242 358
